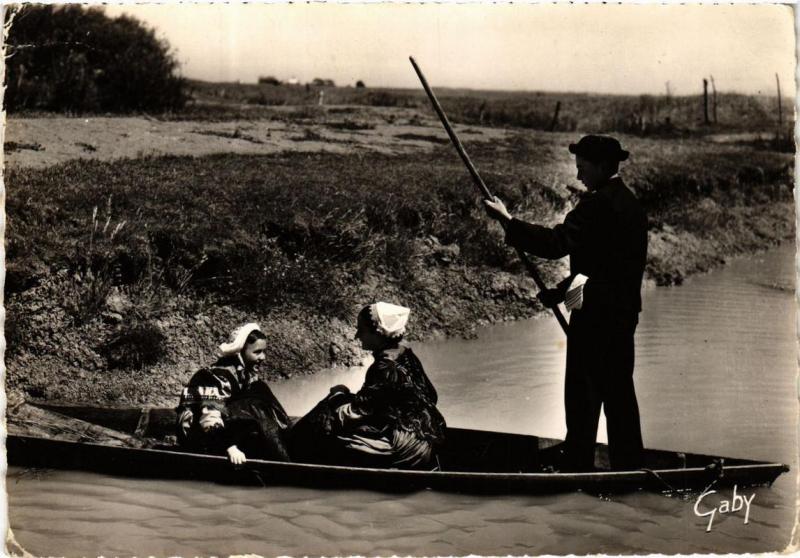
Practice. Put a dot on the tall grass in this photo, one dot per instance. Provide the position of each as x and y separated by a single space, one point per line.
305 228
249 230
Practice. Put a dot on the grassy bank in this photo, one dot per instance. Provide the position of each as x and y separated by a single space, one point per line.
123 276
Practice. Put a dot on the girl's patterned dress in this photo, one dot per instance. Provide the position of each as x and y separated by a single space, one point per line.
392 422
250 417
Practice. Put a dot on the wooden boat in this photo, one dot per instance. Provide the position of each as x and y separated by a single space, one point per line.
138 442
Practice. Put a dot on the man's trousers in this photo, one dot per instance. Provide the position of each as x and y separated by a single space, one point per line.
600 359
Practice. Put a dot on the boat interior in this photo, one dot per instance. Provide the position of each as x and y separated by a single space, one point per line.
465 450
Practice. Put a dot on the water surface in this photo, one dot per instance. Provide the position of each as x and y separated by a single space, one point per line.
716 373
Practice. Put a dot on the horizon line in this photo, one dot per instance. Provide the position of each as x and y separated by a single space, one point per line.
481 90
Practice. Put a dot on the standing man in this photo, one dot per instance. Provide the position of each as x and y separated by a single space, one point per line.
605 237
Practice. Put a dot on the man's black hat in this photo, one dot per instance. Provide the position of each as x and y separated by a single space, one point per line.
599 149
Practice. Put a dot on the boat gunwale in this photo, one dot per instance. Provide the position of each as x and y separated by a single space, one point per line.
577 476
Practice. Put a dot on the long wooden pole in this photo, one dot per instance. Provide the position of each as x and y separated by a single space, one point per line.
476 178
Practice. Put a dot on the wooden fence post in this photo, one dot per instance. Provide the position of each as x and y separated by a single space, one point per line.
554 122
780 108
705 102
714 99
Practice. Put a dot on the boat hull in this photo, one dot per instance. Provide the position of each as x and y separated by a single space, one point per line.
473 461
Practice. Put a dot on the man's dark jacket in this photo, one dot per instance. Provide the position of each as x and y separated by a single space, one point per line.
605 236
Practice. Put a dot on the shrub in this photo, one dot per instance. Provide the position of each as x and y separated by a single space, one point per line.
110 255
72 59
320 82
134 346
269 80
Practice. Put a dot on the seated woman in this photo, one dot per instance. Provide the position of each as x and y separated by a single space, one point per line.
392 422
227 410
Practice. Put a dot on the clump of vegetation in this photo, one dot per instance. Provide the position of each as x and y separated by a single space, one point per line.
237 134
351 125
97 266
423 137
11 146
269 80
67 58
134 346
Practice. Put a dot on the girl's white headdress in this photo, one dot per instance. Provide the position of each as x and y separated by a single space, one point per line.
390 319
238 339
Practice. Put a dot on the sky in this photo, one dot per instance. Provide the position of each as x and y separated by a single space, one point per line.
626 49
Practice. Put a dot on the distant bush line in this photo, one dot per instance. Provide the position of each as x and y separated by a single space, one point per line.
74 60
642 115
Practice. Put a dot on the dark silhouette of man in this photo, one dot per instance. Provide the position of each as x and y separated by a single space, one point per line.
605 237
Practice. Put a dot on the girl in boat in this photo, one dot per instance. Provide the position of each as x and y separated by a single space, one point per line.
392 422
225 409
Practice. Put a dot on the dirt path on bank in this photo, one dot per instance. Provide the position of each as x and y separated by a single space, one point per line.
41 142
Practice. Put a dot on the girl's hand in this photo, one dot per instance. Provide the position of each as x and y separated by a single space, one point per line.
185 421
236 456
